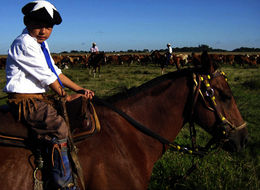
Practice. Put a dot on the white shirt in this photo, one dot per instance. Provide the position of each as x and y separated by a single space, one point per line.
26 68
169 49
94 49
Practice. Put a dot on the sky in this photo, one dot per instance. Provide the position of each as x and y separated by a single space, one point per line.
121 25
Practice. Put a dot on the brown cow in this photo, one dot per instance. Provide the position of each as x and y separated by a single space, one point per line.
217 58
2 62
57 59
253 60
183 59
257 59
157 57
195 59
175 60
136 58
229 59
145 59
66 62
113 59
125 59
78 60
242 60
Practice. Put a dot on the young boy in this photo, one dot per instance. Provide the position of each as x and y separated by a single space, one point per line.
30 72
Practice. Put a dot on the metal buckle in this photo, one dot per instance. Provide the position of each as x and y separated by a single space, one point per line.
209 92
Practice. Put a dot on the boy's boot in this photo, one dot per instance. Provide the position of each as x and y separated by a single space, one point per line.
61 168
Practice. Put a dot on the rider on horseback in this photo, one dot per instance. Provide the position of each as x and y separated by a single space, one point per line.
30 72
168 54
94 48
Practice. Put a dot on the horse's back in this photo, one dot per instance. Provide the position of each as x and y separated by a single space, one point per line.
9 125
15 170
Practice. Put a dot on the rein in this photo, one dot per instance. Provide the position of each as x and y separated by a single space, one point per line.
149 132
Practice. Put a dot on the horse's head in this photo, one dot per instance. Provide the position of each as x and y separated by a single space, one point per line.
215 108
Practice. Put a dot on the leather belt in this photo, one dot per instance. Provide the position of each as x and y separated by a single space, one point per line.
39 96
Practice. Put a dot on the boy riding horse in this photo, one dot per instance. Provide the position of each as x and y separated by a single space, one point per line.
30 72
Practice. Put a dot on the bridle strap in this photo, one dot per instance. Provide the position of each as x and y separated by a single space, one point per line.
195 94
215 108
241 126
198 80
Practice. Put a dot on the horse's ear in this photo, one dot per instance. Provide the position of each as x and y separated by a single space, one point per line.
207 62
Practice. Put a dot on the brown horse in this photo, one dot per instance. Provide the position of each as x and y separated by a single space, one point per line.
95 61
121 156
159 59
163 60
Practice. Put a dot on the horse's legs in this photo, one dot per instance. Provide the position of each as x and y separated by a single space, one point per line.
99 71
94 72
162 71
177 65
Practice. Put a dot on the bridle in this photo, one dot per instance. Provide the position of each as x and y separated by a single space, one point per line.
208 96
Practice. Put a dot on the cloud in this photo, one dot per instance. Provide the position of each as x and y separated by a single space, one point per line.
100 32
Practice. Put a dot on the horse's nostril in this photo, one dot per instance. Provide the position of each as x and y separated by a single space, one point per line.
230 146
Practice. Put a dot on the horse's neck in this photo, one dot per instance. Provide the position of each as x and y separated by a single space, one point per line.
162 108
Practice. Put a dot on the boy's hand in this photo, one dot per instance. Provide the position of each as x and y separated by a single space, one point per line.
87 93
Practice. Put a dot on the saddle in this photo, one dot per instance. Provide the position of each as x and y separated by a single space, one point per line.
12 132
82 116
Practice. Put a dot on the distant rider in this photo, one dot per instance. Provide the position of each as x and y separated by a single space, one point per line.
168 53
94 48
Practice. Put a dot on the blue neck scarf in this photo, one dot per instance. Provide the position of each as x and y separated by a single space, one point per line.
48 60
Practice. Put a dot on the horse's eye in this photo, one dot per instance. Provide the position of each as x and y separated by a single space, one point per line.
225 95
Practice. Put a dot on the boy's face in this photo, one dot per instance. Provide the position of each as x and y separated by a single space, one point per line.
40 31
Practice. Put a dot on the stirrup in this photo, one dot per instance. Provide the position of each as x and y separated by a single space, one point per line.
70 186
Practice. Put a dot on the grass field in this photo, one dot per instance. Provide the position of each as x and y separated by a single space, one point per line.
218 170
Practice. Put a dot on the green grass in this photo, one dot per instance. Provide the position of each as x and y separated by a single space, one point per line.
218 170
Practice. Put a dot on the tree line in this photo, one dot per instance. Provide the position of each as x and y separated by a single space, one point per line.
200 48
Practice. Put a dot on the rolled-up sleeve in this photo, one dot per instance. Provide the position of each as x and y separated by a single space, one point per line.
27 70
33 62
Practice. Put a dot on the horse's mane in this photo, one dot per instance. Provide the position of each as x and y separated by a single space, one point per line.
134 90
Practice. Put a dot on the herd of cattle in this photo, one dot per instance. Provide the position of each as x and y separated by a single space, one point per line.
156 58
